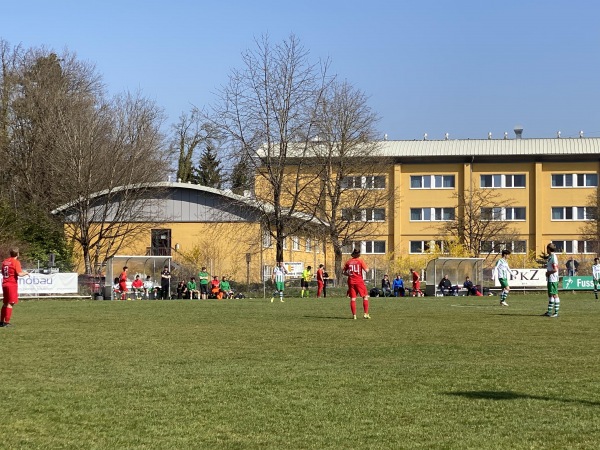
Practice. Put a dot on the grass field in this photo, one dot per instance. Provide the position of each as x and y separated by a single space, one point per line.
452 373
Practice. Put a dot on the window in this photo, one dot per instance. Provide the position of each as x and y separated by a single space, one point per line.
308 245
432 181
266 239
285 243
431 214
502 181
574 180
426 246
572 213
366 247
364 182
497 247
511 213
363 215
317 246
295 243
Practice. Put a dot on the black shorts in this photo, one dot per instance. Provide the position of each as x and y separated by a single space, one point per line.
204 288
303 283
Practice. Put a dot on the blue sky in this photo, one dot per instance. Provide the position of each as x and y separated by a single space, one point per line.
463 67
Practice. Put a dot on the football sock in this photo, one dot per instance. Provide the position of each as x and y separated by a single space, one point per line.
556 305
280 295
503 295
366 306
550 304
353 306
7 314
3 314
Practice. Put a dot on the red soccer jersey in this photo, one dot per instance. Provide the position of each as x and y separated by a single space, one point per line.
415 276
10 271
320 275
123 277
137 283
354 269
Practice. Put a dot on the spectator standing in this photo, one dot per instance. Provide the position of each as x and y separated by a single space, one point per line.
305 280
204 280
572 267
165 283
353 269
398 286
11 271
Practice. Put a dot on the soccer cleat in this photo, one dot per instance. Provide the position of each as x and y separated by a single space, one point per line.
354 316
6 324
554 315
366 316
503 303
546 314
281 300
1 324
272 299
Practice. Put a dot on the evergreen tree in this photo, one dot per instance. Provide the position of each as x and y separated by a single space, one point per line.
208 172
241 178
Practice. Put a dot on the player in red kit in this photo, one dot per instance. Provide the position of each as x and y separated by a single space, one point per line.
11 271
416 284
320 280
353 269
123 283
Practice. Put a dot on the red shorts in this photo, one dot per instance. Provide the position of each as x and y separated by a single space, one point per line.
357 290
416 285
11 294
123 286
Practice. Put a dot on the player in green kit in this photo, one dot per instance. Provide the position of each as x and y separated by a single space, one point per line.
278 278
552 276
596 276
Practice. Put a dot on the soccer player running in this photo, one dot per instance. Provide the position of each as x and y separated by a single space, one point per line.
278 278
552 276
123 283
11 271
353 269
596 276
503 273
416 284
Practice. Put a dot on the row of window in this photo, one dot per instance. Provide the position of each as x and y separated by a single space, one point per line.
309 244
495 181
569 247
498 181
510 213
364 215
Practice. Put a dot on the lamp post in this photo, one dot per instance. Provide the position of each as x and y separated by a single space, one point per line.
248 259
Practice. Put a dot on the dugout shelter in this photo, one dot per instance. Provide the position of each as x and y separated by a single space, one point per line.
137 265
457 270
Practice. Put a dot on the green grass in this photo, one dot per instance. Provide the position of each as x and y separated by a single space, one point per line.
451 373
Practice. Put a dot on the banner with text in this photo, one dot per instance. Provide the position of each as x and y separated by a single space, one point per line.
55 283
578 283
525 278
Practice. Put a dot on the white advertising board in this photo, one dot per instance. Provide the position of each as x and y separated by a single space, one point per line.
55 283
525 278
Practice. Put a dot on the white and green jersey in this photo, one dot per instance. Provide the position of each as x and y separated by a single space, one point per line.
502 269
596 271
552 260
279 274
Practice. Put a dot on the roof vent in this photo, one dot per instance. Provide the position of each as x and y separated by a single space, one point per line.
558 135
425 136
506 135
581 134
518 131
447 136
490 135
385 137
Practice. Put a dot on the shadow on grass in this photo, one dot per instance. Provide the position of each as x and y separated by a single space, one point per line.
328 317
510 395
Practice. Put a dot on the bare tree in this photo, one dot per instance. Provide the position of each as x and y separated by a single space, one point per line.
268 109
355 193
188 134
112 154
479 219
590 230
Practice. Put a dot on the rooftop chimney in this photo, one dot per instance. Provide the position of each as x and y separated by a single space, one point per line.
518 131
